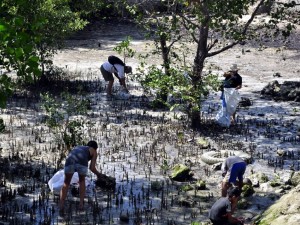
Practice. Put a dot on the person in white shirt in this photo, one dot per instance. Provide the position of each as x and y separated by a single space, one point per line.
119 69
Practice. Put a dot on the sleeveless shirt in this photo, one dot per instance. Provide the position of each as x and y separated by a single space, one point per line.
79 155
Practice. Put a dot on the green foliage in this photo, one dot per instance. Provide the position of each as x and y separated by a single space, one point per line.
63 117
30 33
264 178
247 190
17 47
214 26
201 184
165 166
195 223
186 187
124 49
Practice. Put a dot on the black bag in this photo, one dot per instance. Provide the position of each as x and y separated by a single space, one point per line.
115 60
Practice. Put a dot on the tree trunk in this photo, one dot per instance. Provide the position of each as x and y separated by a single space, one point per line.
165 54
195 120
197 72
200 55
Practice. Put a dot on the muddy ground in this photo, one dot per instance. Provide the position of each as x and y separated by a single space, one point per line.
138 146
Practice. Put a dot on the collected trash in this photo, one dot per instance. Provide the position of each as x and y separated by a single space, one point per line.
106 182
230 100
57 181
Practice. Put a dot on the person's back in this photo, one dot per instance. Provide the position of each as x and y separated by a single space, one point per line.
218 211
228 162
80 155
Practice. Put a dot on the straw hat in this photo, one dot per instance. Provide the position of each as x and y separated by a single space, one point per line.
233 67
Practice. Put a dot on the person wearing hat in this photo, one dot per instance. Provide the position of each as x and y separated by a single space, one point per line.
233 80
115 66
233 169
77 161
221 213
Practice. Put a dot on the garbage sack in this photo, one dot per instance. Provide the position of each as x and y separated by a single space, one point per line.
57 181
229 101
232 99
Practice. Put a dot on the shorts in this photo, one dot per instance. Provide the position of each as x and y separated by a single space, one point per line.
237 172
106 75
80 169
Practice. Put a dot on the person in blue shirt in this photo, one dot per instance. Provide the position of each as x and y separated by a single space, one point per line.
77 161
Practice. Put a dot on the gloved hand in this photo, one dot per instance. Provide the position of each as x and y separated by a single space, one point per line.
223 174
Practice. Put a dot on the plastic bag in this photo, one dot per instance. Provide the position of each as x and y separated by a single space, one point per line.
230 99
57 181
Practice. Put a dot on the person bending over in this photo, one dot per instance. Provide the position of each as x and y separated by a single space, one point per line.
77 161
233 168
221 213
115 66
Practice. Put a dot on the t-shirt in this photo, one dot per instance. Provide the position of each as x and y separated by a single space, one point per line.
219 209
232 81
79 155
117 68
227 164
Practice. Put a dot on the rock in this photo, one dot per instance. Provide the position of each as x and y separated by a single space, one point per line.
259 177
288 91
295 178
247 190
284 211
245 102
255 183
281 152
181 173
201 185
247 181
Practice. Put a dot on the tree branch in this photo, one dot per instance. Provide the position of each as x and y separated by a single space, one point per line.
188 21
246 27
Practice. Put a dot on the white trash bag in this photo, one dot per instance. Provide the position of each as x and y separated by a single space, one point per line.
230 100
57 181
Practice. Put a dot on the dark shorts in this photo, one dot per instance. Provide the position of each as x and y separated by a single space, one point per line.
237 171
80 169
106 75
